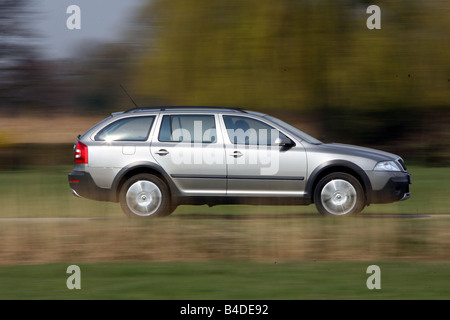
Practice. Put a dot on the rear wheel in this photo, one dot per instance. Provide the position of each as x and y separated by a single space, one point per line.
339 194
145 195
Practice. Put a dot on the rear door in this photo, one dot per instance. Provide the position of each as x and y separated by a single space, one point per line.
189 148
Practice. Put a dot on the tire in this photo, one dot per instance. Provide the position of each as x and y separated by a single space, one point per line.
339 194
145 195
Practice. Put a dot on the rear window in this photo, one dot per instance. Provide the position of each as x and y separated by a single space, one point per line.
127 129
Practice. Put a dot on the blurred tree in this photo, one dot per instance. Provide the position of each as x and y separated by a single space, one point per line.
16 55
99 79
264 53
301 55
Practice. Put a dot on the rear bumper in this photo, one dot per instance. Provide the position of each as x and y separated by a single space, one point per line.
394 187
84 186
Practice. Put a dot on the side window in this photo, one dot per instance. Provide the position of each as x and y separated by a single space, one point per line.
243 130
188 128
127 129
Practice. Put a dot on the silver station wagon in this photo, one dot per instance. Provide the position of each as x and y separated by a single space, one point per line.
153 159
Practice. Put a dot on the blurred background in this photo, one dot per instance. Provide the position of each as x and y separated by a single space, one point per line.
314 64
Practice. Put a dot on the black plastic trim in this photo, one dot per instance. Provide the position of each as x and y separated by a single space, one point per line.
394 190
87 188
250 200
144 165
312 180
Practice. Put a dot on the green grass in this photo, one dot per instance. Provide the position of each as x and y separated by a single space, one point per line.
44 192
228 280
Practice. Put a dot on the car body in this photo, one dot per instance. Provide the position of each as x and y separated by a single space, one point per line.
153 159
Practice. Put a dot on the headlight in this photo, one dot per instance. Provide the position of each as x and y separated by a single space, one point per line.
387 166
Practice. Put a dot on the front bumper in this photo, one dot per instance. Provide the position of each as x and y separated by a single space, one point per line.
389 187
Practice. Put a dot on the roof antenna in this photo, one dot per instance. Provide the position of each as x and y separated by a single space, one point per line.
129 96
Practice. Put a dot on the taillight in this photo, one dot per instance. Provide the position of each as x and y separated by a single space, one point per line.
81 153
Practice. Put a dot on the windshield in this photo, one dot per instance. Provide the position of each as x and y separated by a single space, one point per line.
293 130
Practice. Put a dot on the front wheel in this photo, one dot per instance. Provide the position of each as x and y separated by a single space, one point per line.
339 194
145 195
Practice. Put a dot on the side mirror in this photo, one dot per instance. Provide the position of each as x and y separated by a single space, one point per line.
284 142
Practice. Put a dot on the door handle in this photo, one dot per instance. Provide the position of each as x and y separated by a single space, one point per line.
236 154
162 152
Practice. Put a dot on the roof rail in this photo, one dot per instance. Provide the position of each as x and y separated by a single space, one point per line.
182 107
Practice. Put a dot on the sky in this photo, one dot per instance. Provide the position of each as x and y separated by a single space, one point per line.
101 21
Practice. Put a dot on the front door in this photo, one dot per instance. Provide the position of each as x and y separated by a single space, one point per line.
260 162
